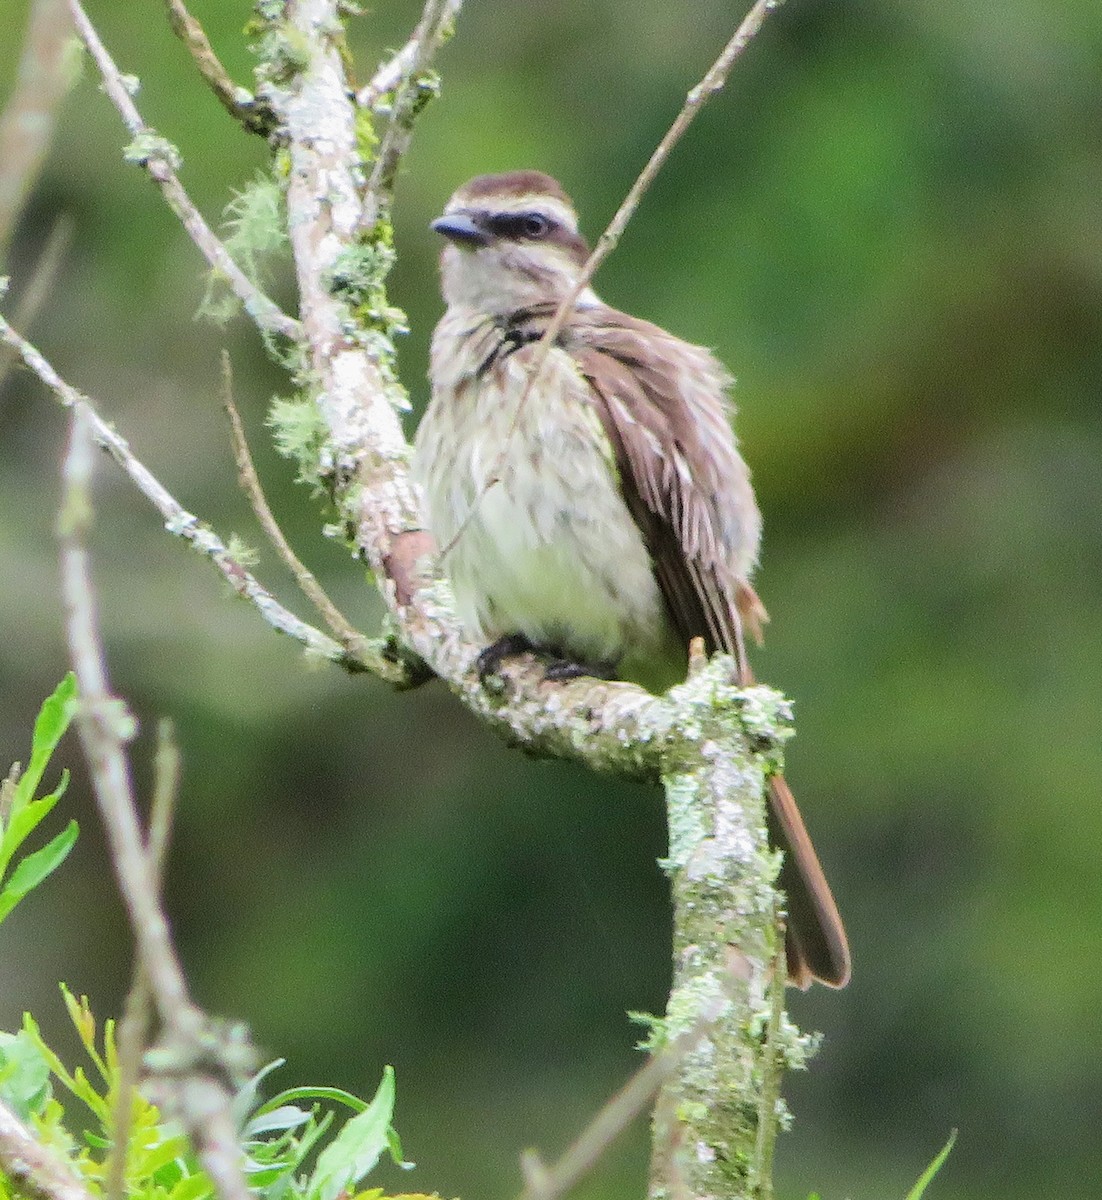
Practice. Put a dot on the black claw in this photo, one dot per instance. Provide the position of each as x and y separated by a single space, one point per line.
490 660
560 669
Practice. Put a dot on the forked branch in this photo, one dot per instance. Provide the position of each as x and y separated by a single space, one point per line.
160 160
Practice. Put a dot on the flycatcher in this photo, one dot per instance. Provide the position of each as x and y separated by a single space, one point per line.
609 519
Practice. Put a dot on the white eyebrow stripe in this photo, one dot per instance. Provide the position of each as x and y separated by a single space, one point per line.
548 205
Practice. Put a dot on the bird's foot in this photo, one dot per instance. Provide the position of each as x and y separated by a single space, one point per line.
558 670
558 667
489 661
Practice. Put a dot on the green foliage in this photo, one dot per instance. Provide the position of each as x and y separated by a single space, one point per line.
21 813
254 223
919 1189
279 1137
299 432
358 277
149 145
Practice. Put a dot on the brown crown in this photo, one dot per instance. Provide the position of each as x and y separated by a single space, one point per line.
514 183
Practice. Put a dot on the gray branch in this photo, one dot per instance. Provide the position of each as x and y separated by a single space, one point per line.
194 1054
28 120
160 160
33 1168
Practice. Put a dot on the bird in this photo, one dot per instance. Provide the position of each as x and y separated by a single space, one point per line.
602 515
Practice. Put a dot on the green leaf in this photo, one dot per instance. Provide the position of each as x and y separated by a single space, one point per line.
313 1093
26 812
244 1102
53 720
35 867
24 1075
919 1189
288 1116
192 1187
358 1146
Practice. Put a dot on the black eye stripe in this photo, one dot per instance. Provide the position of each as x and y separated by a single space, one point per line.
527 225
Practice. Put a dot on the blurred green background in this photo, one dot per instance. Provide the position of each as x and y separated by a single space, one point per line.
890 227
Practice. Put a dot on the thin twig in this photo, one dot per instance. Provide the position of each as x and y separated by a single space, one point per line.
27 123
180 522
436 20
40 284
388 76
544 1182
713 81
133 1029
34 1169
235 100
202 1103
156 156
104 728
166 789
339 625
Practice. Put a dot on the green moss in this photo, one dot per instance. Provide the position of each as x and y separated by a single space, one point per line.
282 50
299 433
241 552
367 140
254 223
147 146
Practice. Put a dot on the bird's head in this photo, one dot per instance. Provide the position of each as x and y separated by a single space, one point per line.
513 241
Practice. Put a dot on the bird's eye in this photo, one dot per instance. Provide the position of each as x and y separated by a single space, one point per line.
534 225
521 225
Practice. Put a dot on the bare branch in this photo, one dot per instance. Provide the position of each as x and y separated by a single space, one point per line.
104 728
158 159
193 1048
549 1183
166 789
432 30
34 1169
388 76
179 521
133 1029
28 120
235 100
354 642
40 284
714 80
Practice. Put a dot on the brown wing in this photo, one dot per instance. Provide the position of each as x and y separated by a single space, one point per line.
663 405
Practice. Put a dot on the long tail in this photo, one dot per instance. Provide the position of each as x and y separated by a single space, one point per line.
815 943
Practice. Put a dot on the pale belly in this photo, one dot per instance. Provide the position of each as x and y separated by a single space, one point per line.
550 549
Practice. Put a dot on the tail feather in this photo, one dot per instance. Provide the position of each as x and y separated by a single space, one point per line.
815 943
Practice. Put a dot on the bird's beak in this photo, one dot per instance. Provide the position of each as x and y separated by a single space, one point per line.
461 229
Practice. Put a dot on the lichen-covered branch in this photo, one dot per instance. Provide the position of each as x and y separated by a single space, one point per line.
712 1131
235 100
161 160
695 739
414 84
371 656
